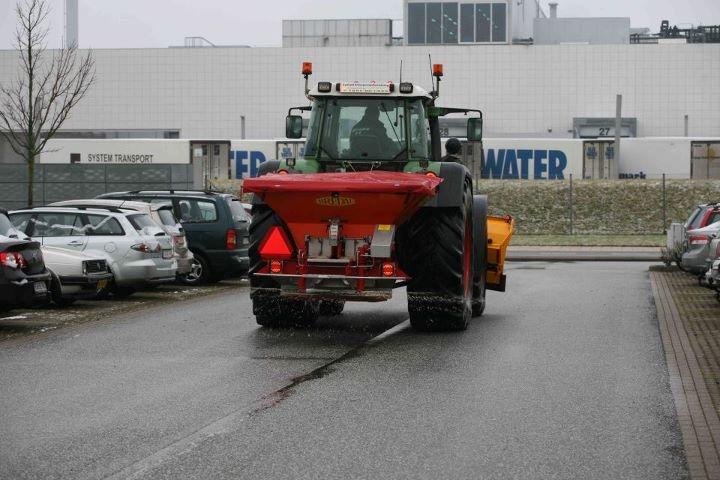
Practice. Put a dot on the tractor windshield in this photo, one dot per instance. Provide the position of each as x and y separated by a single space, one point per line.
362 129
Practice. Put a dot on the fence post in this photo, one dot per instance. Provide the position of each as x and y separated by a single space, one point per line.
571 205
664 206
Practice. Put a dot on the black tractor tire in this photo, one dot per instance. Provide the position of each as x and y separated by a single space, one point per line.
331 308
269 307
436 250
480 208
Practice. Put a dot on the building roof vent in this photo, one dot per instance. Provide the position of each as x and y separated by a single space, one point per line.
553 9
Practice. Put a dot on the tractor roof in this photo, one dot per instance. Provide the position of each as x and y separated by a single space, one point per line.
367 89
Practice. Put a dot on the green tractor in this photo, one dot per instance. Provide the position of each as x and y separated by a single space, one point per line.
372 206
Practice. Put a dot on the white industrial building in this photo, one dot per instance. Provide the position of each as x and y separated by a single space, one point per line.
535 90
563 90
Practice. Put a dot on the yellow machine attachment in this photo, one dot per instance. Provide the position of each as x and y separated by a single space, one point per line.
499 233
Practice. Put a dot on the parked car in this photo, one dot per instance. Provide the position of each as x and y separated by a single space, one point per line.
161 213
702 216
697 252
137 250
216 226
76 275
24 279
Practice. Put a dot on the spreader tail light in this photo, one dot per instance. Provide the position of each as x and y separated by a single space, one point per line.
388 269
276 245
275 266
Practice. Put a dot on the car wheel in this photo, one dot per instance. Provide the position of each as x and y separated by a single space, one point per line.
56 293
199 272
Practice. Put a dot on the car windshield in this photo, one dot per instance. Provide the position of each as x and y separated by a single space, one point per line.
141 221
6 228
365 129
238 212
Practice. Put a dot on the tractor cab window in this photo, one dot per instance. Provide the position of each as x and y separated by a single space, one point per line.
363 129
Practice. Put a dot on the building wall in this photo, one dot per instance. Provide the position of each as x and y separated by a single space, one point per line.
595 31
523 90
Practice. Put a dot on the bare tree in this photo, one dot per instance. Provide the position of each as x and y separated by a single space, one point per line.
47 87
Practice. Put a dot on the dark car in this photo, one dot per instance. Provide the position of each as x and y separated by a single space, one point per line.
216 227
24 280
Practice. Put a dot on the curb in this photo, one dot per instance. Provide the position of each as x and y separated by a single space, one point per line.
581 256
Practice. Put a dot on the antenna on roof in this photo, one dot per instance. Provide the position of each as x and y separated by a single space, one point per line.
432 82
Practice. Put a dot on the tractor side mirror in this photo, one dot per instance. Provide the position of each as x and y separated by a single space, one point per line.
474 129
293 126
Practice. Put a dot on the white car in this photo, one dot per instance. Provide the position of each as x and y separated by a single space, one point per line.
75 275
161 213
137 250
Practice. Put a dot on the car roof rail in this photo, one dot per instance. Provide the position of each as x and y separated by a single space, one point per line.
171 191
90 207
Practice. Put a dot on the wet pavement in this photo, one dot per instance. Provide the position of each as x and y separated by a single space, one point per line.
563 378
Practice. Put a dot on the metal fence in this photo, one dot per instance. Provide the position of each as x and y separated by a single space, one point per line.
57 182
597 207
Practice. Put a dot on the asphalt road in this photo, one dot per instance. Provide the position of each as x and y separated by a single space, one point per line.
563 378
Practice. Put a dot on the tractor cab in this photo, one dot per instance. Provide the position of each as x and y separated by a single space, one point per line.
372 126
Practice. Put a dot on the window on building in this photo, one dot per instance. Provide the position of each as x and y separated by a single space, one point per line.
499 22
450 22
467 22
453 22
416 23
434 23
482 22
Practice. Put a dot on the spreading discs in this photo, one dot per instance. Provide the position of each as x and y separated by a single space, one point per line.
335 201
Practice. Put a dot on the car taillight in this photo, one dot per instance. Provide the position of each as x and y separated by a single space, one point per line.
717 251
145 248
231 239
13 260
698 239
276 245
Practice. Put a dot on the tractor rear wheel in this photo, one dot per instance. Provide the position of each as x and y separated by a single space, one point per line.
270 309
480 208
437 253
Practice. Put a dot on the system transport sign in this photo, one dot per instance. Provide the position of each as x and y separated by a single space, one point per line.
118 158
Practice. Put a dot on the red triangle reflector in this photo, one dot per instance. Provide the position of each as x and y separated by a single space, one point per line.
276 245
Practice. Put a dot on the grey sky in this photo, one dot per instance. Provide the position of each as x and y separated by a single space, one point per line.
160 23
